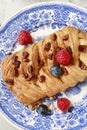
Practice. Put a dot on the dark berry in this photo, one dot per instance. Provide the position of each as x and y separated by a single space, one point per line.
10 81
10 53
70 109
56 70
43 109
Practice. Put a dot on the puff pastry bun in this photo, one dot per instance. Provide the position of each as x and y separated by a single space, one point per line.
27 72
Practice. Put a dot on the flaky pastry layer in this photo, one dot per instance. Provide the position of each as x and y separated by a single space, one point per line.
27 72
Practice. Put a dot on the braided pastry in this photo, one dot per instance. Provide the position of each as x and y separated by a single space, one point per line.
27 72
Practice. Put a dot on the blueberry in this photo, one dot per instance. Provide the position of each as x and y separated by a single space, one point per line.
9 53
70 109
56 70
43 109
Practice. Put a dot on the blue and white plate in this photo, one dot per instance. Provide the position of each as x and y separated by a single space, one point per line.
41 20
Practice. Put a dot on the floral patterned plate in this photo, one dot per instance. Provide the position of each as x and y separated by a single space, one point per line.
41 20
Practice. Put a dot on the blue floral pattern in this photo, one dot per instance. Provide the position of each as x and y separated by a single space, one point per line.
41 20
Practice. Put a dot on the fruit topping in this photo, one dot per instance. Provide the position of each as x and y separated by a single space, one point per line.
25 54
30 69
63 57
14 59
41 63
70 109
43 109
26 75
69 49
26 60
50 56
42 78
64 71
31 77
63 104
47 46
54 37
10 81
56 70
17 64
15 72
58 49
24 37
65 37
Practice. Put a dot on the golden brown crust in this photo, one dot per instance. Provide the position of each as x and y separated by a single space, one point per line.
22 74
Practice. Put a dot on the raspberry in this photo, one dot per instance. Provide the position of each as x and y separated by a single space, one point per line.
63 57
24 37
63 104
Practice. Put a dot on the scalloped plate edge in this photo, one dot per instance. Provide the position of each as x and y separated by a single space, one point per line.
39 4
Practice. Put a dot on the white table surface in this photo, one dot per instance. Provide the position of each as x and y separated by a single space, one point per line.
7 9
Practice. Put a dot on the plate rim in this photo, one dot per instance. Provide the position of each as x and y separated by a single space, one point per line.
10 121
19 12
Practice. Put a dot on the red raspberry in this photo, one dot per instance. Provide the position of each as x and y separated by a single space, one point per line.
24 37
63 104
63 57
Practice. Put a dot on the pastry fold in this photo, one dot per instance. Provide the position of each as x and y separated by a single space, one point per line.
27 72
